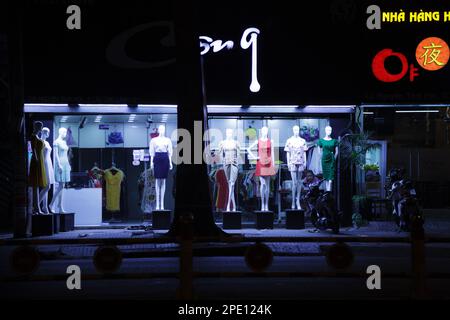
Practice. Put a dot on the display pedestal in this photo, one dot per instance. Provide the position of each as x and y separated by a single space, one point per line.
264 219
66 222
295 219
56 223
232 220
42 225
161 219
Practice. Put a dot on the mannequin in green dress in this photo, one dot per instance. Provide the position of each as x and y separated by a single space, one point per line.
329 152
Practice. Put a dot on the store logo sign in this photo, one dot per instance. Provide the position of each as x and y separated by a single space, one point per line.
431 54
249 39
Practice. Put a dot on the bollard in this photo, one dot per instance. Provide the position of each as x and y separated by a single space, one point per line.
418 257
186 286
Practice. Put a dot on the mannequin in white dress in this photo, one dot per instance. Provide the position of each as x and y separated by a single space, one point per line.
229 150
161 155
43 196
296 159
62 170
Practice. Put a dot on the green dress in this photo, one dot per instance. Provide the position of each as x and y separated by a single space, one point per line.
328 160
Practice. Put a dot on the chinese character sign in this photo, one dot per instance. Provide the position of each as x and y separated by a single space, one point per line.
432 53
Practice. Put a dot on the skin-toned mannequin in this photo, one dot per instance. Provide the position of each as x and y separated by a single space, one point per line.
329 153
161 155
37 177
229 149
266 172
296 159
62 170
43 196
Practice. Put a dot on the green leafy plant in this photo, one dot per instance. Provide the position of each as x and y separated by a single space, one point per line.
353 149
371 167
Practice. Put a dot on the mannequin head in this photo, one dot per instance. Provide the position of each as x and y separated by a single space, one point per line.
45 133
296 130
37 127
328 131
62 133
162 130
264 132
229 134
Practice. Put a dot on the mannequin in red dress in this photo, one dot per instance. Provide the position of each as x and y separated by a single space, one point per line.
264 165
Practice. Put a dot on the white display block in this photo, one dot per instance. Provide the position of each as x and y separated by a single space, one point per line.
87 205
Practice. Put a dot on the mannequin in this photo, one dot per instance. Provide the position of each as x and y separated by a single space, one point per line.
62 170
37 178
50 174
296 159
161 155
264 165
229 150
329 152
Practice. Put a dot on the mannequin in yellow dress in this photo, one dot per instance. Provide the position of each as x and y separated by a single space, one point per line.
37 178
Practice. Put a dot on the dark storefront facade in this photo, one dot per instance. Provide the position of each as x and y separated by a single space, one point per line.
266 67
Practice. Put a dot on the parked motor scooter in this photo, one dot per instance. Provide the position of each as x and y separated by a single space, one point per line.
321 207
403 195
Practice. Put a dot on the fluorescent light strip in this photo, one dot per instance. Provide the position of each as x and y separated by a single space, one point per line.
416 111
157 105
368 112
274 106
223 106
103 105
46 105
330 106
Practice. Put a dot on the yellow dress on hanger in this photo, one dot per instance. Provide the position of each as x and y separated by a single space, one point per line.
113 183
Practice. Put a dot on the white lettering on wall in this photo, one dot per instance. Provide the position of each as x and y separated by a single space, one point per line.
252 42
249 39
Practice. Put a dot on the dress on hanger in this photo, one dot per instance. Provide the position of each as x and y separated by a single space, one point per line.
222 190
37 176
315 162
96 177
328 159
148 202
113 184
264 165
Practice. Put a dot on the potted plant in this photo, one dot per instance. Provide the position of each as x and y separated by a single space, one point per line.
372 172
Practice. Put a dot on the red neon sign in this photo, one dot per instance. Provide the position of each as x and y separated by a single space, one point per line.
379 68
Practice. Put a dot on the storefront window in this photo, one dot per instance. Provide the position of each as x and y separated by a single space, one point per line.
248 181
102 166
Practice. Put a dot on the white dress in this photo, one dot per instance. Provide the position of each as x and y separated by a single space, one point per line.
48 165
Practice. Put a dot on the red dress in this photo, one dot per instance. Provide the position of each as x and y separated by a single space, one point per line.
264 165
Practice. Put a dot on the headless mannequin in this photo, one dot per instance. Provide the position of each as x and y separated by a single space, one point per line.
328 131
296 170
37 129
160 142
43 195
230 148
56 205
264 180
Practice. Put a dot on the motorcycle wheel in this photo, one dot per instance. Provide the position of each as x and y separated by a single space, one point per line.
332 219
